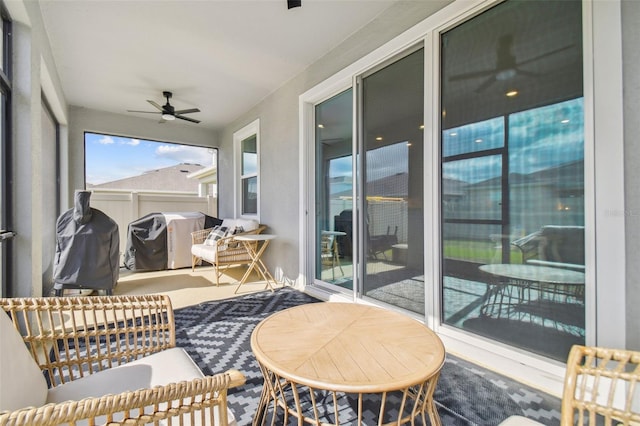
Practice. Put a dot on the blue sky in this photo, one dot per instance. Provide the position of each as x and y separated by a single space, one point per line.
110 158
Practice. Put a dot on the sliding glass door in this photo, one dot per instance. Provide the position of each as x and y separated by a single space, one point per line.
391 178
386 231
334 190
509 214
512 182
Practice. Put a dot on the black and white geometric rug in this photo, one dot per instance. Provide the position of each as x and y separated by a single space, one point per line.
217 336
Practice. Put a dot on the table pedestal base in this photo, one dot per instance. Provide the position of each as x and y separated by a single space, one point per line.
282 401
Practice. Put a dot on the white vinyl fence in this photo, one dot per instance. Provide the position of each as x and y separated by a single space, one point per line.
126 206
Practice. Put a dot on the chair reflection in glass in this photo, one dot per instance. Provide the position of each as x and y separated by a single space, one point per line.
329 251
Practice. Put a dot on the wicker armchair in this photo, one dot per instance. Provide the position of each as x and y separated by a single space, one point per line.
600 388
224 253
97 360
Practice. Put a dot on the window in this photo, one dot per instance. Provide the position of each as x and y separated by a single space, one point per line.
247 153
122 163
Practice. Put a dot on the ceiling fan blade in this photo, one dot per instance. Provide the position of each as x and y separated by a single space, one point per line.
187 111
485 85
187 119
155 104
544 55
474 74
144 112
528 73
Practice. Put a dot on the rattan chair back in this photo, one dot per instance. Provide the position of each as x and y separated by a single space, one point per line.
601 387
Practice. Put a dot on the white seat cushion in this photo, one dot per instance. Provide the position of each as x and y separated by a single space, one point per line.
22 384
519 421
169 366
205 252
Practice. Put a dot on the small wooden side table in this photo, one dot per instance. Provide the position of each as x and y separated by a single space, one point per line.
256 251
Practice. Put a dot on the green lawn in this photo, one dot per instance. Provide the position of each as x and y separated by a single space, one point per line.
477 251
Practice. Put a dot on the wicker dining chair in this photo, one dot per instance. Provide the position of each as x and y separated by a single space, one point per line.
600 388
99 360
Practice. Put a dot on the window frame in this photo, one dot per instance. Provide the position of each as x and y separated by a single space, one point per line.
251 129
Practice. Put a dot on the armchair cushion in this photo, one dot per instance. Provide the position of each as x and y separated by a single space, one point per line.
145 372
211 253
17 367
217 233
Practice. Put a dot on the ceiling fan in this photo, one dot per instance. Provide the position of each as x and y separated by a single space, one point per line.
507 66
168 111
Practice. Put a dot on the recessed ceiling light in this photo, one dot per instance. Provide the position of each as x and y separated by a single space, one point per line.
512 93
421 127
453 134
378 138
408 143
478 140
320 126
565 121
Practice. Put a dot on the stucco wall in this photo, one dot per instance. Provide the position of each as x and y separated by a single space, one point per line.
34 74
278 114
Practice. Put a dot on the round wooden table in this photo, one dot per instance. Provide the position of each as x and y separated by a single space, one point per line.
513 286
331 351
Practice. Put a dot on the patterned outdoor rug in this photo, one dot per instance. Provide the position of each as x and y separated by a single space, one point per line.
217 336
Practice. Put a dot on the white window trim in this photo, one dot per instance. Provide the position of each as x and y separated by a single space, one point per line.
604 145
249 130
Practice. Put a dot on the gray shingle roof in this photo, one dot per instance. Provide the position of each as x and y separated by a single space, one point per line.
173 178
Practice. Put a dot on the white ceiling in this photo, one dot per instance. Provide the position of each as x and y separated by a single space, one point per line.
222 57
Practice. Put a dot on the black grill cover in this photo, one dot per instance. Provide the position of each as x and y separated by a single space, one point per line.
87 247
146 248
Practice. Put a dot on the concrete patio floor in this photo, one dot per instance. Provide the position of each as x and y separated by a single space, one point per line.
186 288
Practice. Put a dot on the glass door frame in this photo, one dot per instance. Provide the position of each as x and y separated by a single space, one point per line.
604 140
6 170
308 192
308 250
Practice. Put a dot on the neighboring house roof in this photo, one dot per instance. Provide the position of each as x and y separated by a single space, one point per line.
173 178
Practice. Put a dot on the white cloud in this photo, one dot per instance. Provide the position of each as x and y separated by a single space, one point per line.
106 140
132 142
185 154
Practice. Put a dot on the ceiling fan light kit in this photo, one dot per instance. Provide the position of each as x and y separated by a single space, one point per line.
167 111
